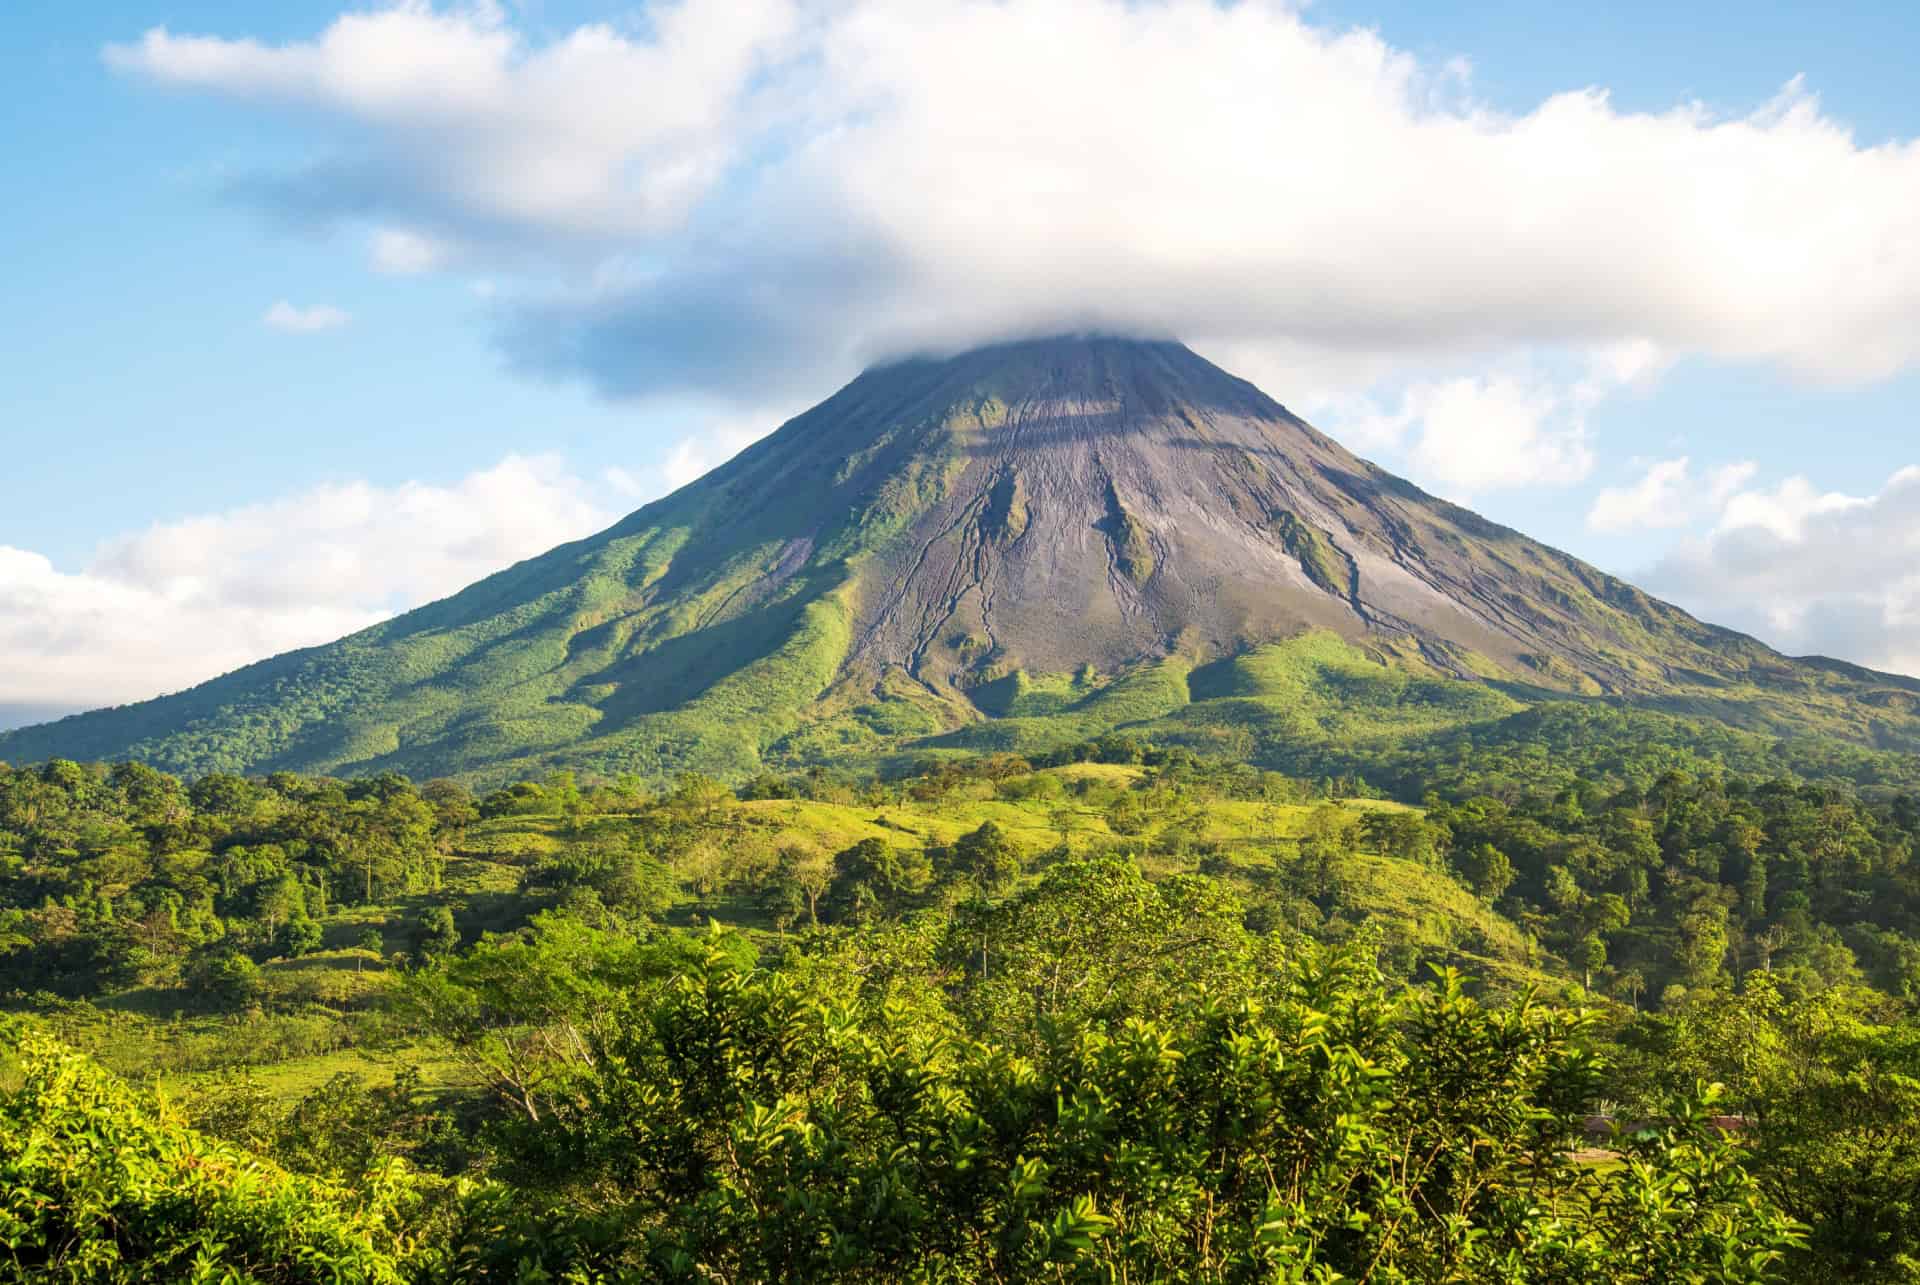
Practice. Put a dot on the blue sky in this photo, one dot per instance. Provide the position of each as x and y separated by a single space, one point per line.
158 205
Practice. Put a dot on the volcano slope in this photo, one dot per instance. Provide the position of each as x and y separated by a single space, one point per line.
1022 544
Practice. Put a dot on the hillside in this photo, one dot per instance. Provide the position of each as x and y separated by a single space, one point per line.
1022 544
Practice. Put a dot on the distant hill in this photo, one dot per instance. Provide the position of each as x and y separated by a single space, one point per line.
1022 544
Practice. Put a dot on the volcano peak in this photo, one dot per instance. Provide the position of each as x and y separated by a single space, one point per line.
881 567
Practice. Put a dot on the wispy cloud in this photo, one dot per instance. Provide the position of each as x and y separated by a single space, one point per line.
288 319
403 252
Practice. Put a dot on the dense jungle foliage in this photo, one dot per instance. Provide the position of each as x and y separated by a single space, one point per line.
1108 1013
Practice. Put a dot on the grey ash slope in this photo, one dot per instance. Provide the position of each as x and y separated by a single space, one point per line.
1119 500
879 569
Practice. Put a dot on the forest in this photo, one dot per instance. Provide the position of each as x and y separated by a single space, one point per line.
1118 1011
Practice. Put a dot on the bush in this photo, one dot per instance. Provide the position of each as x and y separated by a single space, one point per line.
751 1126
298 937
225 980
99 1184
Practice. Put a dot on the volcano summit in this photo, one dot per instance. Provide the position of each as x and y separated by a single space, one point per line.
1023 543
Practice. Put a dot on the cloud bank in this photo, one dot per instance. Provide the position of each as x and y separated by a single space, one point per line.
1812 572
753 192
181 602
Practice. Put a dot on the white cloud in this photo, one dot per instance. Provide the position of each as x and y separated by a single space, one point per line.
283 316
1784 512
1811 571
1495 432
627 484
182 601
1658 499
1667 496
874 174
1521 424
696 455
401 252
595 133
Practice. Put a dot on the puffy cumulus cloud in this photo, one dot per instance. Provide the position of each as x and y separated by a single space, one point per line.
1785 511
1811 571
1521 424
284 317
775 190
1658 499
182 601
1667 495
1473 433
459 121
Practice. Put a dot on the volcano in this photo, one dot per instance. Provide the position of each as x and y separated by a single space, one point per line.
1052 538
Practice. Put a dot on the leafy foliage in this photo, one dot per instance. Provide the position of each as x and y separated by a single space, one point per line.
98 1185
1134 1013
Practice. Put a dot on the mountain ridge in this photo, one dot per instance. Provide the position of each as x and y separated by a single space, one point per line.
1074 510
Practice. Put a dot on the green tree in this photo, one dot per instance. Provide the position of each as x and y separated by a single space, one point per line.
1094 936
224 979
1702 949
517 1011
435 934
986 856
1485 869
873 878
804 869
369 942
298 937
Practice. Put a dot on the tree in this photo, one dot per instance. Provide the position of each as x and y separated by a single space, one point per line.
224 979
563 796
697 798
369 942
1593 956
1633 983
1094 935
1486 870
874 878
806 870
453 807
1837 1141
633 883
784 903
1702 951
988 857
278 901
518 1011
1405 836
523 798
300 936
435 934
